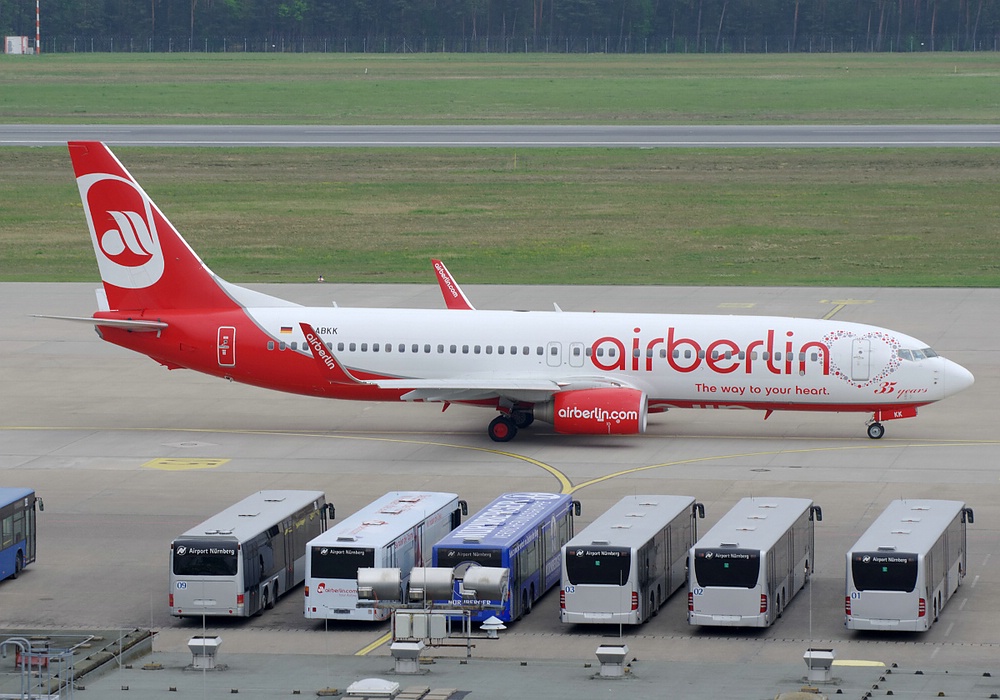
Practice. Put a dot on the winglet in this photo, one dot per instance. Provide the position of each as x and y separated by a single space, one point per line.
335 372
454 297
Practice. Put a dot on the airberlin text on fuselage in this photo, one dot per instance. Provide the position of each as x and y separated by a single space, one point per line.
721 356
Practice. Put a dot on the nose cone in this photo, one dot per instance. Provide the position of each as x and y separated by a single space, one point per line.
956 378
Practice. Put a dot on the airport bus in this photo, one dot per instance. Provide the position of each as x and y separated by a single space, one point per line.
240 561
17 518
906 566
623 566
521 532
394 532
745 570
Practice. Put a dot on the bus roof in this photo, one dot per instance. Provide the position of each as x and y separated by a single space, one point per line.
632 521
10 494
909 525
255 513
504 521
383 520
755 523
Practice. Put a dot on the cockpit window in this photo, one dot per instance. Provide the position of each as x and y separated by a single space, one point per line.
920 354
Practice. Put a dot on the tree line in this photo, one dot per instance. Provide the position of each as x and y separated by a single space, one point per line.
613 26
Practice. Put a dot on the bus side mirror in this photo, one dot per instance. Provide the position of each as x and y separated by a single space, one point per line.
577 508
967 516
331 511
698 510
816 513
41 505
464 507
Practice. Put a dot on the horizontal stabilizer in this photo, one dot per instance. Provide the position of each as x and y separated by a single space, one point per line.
127 323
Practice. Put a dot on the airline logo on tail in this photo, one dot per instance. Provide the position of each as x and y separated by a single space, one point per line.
123 229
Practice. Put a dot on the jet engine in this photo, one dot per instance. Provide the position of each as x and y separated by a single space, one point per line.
603 411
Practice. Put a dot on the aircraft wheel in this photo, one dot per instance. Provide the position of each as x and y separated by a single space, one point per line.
502 429
876 430
522 419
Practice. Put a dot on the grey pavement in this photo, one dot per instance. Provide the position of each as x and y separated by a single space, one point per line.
90 427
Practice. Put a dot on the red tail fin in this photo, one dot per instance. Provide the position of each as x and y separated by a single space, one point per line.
144 262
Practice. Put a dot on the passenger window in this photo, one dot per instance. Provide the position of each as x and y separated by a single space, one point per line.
270 345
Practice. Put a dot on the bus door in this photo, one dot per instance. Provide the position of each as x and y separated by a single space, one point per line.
769 588
252 566
29 524
288 548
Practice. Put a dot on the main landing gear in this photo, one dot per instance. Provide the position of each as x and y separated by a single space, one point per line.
504 427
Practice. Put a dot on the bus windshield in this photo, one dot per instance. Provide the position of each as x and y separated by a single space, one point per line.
341 562
607 565
449 557
879 571
205 558
730 568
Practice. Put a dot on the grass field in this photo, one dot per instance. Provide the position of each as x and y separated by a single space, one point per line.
500 88
838 217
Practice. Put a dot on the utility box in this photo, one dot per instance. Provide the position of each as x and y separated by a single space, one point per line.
612 658
16 45
407 656
820 664
204 651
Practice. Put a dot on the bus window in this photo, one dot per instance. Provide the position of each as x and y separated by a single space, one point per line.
730 568
598 565
340 562
482 557
209 558
879 571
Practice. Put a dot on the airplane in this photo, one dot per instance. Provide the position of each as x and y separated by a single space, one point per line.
583 373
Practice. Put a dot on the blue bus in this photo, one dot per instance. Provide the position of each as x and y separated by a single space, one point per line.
17 530
522 532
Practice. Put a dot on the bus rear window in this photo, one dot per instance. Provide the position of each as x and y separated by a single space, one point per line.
341 562
880 571
729 568
601 565
204 558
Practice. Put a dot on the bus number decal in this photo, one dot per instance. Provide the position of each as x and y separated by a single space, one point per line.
855 595
571 589
698 591
181 585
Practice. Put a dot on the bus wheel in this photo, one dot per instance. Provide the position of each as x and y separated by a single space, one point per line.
525 602
269 596
18 565
653 610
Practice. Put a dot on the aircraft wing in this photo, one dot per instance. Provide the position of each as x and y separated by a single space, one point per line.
455 389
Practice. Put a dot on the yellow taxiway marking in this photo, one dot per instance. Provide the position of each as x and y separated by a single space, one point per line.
169 464
857 662
839 305
364 651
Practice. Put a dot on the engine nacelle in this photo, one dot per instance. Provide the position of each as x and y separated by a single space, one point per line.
605 411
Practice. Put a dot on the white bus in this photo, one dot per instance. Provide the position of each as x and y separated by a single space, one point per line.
240 561
397 531
623 566
906 566
752 562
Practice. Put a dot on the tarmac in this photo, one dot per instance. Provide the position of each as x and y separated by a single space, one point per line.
127 455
